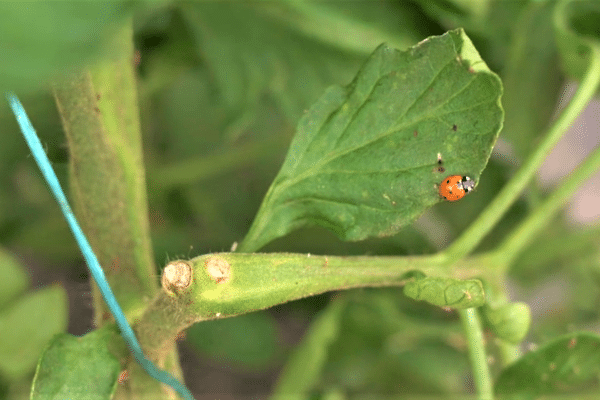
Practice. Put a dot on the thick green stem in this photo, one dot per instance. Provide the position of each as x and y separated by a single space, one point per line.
477 356
229 284
467 242
99 111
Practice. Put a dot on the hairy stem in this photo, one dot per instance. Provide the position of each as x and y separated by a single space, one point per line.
229 284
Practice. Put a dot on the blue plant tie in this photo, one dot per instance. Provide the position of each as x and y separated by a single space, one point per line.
92 262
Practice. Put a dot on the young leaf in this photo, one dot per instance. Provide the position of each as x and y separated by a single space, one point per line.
558 366
364 160
78 367
446 292
510 321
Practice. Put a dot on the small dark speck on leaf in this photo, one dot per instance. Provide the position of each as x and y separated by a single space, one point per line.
454 127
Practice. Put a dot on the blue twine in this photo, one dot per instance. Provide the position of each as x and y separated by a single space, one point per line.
94 266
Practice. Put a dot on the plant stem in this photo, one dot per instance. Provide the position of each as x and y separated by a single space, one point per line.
99 111
467 242
522 236
256 281
479 366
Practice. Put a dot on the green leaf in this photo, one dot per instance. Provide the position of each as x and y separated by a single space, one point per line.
13 279
559 366
78 368
27 327
364 160
304 368
41 39
576 28
510 321
446 292
249 340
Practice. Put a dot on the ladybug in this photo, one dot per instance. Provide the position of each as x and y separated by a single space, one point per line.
455 187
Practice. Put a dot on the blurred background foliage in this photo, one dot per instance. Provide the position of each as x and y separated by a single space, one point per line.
221 87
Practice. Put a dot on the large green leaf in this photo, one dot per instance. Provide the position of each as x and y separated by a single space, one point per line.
28 326
78 368
558 366
364 160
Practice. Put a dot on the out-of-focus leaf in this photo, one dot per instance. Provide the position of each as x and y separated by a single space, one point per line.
456 13
291 51
78 368
382 349
446 292
364 160
510 321
13 280
248 340
576 26
41 39
26 328
532 79
561 365
304 368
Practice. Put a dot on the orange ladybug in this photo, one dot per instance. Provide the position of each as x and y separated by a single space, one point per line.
455 187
